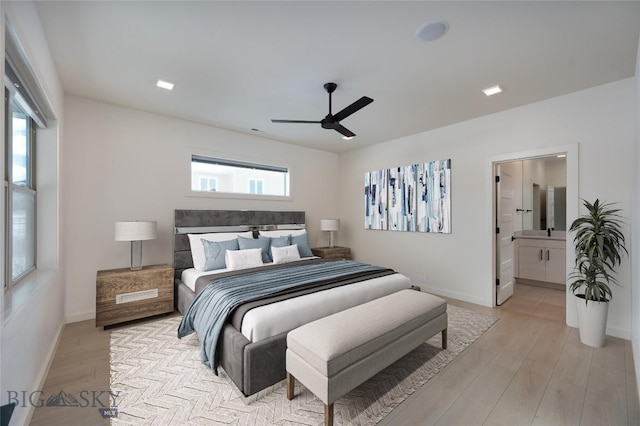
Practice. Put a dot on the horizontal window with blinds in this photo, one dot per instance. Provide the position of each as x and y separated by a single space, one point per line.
221 175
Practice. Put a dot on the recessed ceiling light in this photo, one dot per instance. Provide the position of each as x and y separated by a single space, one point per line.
561 155
431 31
347 138
492 90
165 85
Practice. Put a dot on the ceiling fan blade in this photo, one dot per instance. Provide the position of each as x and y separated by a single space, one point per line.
345 132
359 104
293 121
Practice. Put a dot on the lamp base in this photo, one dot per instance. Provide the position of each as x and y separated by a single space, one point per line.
136 255
331 239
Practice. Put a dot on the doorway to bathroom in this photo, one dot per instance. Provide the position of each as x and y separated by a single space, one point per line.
531 220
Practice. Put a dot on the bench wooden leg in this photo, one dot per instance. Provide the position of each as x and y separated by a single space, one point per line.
328 415
444 339
291 381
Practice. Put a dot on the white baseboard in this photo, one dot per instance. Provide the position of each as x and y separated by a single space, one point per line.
619 332
44 371
452 294
80 317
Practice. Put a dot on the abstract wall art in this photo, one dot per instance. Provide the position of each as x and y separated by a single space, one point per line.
402 198
375 195
434 197
409 198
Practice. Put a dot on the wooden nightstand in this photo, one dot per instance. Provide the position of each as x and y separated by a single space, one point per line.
125 295
332 252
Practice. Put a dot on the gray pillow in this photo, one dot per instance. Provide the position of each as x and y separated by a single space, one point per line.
282 241
262 243
214 253
303 244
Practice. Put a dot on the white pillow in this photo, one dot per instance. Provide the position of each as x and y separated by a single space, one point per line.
243 259
197 249
283 232
285 254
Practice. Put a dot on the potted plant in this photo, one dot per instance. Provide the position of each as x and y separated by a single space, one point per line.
599 244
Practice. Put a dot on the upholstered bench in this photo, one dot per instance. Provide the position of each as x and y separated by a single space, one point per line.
335 354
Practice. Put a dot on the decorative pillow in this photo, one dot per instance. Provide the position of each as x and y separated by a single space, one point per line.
261 243
243 259
285 254
283 232
214 252
282 241
197 249
303 244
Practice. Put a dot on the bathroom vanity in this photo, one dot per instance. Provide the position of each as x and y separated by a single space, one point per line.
541 256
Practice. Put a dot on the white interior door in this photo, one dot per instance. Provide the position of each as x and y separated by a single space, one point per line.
505 215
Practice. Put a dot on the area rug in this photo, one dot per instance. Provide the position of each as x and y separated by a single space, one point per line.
163 382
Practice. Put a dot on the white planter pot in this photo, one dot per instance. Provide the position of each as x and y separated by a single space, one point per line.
592 321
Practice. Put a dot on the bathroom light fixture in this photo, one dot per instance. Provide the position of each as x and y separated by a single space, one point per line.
165 85
136 231
492 90
331 225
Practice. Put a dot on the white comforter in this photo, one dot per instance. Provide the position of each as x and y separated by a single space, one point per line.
268 320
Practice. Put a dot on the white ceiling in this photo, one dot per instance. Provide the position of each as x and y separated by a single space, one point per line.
238 64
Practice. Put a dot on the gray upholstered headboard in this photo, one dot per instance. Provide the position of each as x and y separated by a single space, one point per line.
204 221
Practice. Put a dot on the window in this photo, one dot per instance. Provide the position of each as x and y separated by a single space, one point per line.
208 184
20 190
231 177
255 186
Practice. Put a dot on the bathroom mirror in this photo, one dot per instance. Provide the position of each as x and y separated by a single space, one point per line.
544 195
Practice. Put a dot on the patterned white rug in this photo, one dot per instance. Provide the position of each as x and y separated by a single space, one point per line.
164 382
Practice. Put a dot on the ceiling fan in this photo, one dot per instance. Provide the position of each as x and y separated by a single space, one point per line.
332 121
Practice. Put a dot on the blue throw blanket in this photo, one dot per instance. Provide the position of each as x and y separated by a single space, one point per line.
209 310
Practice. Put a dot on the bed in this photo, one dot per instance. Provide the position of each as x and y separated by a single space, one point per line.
251 344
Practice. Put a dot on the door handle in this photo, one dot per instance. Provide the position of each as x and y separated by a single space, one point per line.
540 254
548 256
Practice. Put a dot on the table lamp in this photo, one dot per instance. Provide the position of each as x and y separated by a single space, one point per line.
331 225
136 231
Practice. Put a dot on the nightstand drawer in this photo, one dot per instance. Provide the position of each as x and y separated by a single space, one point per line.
125 295
332 252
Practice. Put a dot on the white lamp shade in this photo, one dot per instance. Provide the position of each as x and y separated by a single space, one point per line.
330 224
137 230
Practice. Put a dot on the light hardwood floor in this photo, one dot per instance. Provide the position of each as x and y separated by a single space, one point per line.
528 369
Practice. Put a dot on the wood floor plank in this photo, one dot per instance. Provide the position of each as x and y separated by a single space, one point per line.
428 404
605 402
548 347
475 404
574 362
633 405
561 404
519 403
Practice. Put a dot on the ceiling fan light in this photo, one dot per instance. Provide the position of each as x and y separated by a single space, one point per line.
348 138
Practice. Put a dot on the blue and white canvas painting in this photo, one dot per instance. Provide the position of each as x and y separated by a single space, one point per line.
434 197
402 198
375 197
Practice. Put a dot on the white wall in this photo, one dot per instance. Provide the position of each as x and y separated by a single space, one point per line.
33 313
123 164
601 120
